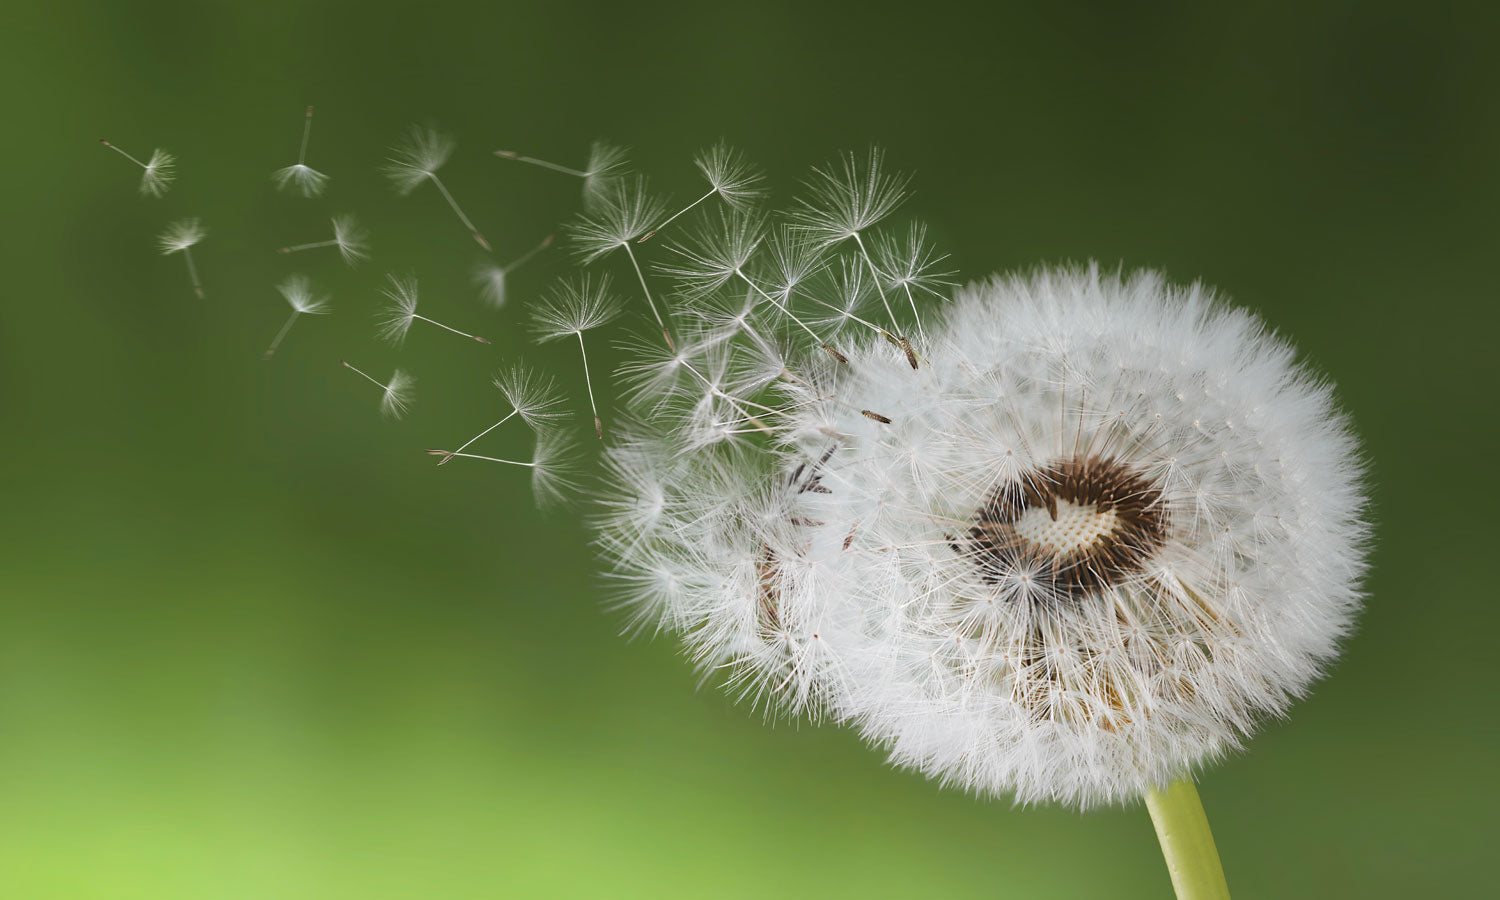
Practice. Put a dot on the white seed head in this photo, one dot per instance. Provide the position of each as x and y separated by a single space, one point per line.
1108 527
398 395
418 158
158 173
606 163
298 292
731 175
554 466
180 235
306 180
533 396
490 279
623 211
573 307
400 310
848 198
351 238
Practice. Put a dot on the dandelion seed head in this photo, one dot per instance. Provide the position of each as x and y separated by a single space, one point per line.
417 158
623 211
298 292
533 396
574 306
848 197
731 175
1108 527
306 180
180 235
351 238
158 173
400 309
606 163
398 395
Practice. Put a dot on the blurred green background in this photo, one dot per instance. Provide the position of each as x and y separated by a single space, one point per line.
253 644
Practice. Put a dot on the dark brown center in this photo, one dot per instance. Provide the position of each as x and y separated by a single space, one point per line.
1074 527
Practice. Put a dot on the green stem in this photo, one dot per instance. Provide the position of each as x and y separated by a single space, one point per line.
1187 843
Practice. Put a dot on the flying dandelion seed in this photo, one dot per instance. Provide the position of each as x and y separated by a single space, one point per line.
180 237
348 236
396 394
157 172
553 465
606 162
570 309
492 279
297 290
417 160
309 181
624 211
730 176
532 397
397 316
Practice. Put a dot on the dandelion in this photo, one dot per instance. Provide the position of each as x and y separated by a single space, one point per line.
1109 527
157 172
570 309
492 279
532 397
397 316
180 237
297 290
606 162
730 176
553 465
348 236
396 394
302 176
417 160
623 213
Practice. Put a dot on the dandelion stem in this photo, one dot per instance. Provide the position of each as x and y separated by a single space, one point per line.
276 342
187 254
526 257
313 246
531 160
647 236
306 132
478 436
870 264
449 454
472 337
362 375
123 153
589 383
478 238
649 302
1186 842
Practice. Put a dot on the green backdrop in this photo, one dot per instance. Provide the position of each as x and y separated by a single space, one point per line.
253 644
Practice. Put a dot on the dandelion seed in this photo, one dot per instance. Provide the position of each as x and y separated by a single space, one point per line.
180 237
397 316
570 309
396 396
302 176
912 263
606 162
297 290
534 398
730 175
418 159
625 210
552 465
348 236
157 172
492 279
846 201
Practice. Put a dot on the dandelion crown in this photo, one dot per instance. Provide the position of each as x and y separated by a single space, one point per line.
1064 535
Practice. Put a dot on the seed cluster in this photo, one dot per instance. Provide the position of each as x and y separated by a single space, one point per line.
1079 525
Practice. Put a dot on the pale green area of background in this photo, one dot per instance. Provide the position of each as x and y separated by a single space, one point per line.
253 645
